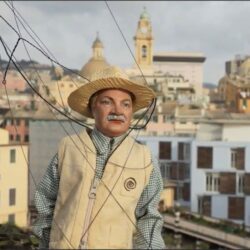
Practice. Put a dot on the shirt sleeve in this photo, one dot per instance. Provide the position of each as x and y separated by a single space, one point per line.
45 200
149 220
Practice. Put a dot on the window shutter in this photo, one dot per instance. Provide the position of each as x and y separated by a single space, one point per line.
204 157
240 158
174 170
186 192
246 187
182 172
236 208
181 151
227 183
165 150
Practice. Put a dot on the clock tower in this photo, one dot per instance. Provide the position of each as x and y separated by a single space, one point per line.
144 41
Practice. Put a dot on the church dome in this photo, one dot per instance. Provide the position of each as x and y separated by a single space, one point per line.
97 62
93 65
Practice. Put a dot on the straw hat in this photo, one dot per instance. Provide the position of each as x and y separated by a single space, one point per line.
109 78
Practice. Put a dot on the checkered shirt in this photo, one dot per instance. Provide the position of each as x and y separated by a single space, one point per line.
148 220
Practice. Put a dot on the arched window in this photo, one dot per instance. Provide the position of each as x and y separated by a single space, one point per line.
144 51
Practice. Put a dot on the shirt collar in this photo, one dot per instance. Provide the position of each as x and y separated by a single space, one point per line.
101 141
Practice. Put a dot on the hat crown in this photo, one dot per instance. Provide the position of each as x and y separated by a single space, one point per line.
109 72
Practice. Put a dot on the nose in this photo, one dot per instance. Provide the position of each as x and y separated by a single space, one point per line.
117 108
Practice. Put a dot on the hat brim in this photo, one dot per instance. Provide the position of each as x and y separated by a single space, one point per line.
78 100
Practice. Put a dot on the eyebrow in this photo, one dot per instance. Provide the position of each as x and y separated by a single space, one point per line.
111 98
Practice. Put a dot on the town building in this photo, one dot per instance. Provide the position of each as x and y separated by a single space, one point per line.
211 170
171 119
237 66
57 91
14 98
234 86
13 181
220 173
16 122
235 92
14 81
174 158
169 72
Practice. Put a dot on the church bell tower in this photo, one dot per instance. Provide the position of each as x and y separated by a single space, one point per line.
144 41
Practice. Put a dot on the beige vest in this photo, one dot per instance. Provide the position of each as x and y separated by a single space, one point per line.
112 218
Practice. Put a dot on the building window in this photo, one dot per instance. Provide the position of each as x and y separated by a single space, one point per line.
155 118
240 184
244 103
144 51
212 182
11 121
179 192
166 118
183 151
11 219
26 122
26 138
11 137
204 205
17 122
165 150
12 156
204 157
238 158
12 197
236 208
174 170
178 170
18 137
165 170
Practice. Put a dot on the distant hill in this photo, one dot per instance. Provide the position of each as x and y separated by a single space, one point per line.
209 85
27 64
23 64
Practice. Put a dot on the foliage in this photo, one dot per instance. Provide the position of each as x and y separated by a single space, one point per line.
13 237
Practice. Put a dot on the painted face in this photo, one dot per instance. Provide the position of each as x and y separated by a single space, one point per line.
112 110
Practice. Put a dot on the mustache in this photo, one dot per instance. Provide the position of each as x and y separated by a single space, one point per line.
116 117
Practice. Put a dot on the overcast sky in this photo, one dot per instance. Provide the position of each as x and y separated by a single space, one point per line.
219 30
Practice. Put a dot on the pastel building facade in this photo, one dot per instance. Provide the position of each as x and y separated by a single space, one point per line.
173 155
211 171
220 180
17 124
220 171
13 182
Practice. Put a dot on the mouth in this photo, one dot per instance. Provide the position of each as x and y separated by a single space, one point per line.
116 121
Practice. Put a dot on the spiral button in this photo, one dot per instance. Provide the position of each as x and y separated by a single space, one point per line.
130 183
